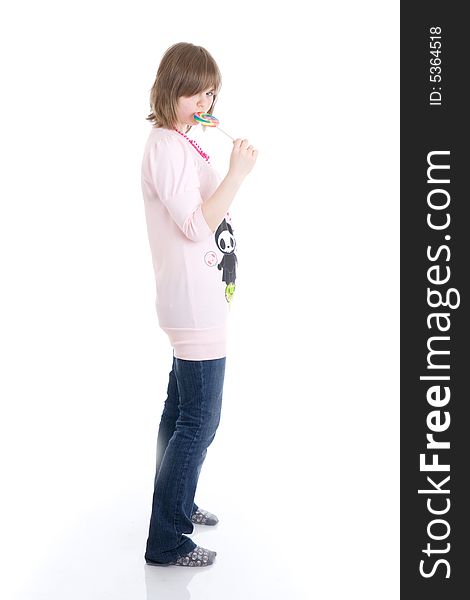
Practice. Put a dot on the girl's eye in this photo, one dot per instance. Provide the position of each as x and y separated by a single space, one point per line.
211 93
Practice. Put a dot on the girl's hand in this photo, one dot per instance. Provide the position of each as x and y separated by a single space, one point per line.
242 159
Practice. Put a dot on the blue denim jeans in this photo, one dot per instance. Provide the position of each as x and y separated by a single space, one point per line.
190 418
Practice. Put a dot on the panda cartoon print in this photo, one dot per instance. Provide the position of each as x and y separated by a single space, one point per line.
226 243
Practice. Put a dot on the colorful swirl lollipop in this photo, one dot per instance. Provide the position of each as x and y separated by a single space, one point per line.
209 121
206 119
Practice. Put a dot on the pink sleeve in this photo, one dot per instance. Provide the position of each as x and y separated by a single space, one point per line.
176 182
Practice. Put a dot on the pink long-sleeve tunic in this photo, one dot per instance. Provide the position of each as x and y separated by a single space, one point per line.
194 267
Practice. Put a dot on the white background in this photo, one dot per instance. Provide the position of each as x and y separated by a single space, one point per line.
303 472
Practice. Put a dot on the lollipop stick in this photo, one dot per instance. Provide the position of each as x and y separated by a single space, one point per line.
233 139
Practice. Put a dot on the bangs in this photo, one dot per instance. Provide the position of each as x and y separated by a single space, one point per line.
202 74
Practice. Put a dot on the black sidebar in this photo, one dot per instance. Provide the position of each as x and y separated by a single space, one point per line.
434 301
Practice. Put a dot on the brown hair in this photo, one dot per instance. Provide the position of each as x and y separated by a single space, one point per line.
184 70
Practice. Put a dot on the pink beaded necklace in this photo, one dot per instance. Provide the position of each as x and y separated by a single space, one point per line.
194 145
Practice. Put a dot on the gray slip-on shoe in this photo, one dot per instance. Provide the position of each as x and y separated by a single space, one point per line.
204 517
198 557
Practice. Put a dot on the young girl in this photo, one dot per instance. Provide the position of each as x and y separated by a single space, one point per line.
192 243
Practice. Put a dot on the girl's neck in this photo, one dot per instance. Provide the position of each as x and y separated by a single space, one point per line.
182 128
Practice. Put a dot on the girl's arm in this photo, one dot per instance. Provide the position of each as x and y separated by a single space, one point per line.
215 208
242 160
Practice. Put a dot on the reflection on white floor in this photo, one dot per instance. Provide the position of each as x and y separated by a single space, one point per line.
102 557
305 507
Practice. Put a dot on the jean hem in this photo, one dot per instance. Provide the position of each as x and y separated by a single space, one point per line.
168 557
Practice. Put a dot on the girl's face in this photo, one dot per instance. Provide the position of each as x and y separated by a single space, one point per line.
187 106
